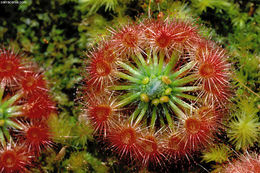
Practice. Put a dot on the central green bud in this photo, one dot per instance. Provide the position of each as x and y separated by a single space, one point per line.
158 90
155 88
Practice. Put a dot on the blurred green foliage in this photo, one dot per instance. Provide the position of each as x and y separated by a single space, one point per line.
244 124
57 33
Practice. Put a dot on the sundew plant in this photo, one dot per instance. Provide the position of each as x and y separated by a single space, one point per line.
25 105
156 90
129 86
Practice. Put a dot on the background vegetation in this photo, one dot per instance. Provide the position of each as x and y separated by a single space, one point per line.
57 33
